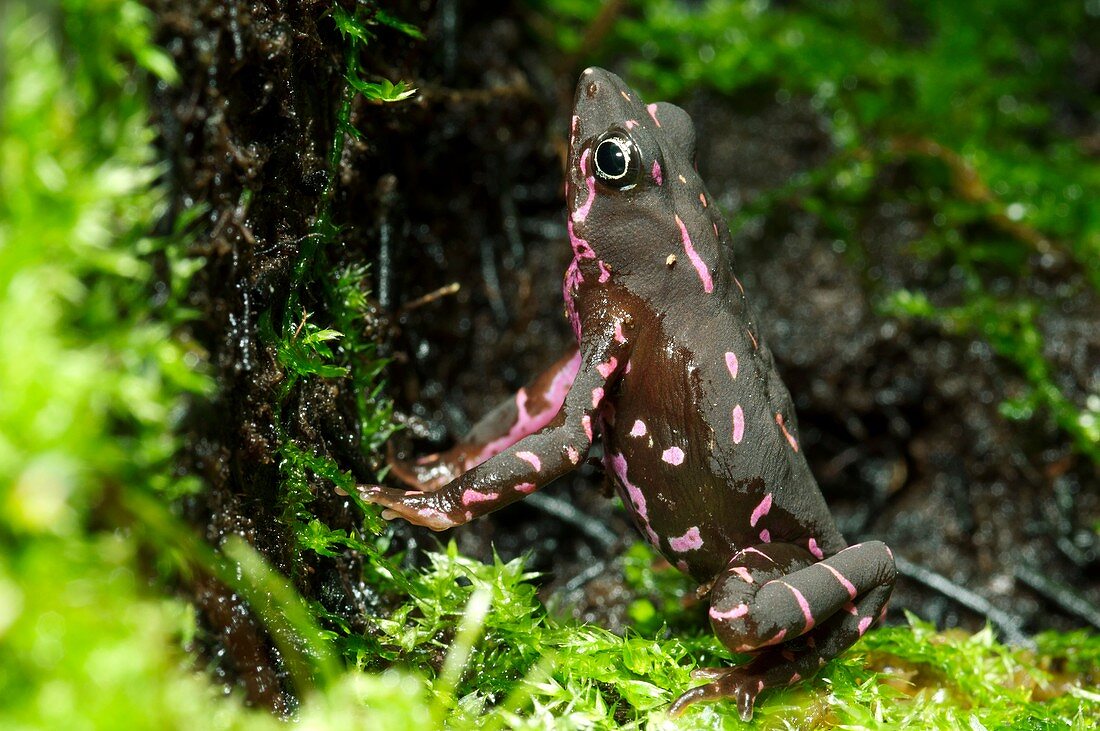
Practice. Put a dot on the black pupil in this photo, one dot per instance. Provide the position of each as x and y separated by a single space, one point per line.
610 159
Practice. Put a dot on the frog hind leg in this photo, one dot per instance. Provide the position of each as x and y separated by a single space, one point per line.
793 612
529 410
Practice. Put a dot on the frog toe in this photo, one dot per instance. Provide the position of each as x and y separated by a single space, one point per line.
732 683
708 673
415 506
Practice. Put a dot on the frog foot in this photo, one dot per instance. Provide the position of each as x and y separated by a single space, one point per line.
431 472
415 506
740 684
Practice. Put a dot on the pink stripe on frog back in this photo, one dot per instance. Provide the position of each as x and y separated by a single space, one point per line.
761 510
657 177
652 109
526 423
731 363
573 279
637 498
690 541
582 210
738 424
696 260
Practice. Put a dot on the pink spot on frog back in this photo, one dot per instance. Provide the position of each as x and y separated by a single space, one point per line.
525 488
814 548
738 424
696 260
605 273
731 363
657 177
638 430
531 458
473 496
690 541
761 510
652 109
673 455
606 369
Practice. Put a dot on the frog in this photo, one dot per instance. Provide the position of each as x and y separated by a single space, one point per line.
670 372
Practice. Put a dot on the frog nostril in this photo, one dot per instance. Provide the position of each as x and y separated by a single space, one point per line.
591 89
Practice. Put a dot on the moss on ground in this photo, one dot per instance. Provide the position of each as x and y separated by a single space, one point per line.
95 374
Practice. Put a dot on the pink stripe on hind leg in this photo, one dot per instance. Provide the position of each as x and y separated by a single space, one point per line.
848 586
803 605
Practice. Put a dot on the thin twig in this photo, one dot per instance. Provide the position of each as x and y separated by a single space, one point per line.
1010 625
1062 595
430 297
565 511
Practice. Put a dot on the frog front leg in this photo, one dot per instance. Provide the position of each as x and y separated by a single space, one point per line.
794 611
528 411
532 462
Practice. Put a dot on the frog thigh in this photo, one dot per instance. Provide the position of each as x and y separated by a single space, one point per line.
795 611
528 411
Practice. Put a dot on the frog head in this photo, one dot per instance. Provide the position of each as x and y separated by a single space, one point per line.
639 214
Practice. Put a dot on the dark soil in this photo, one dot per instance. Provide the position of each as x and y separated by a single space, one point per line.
899 421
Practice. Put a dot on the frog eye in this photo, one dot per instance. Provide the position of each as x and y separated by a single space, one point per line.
616 159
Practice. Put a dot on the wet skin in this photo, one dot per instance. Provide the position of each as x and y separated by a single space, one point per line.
699 432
